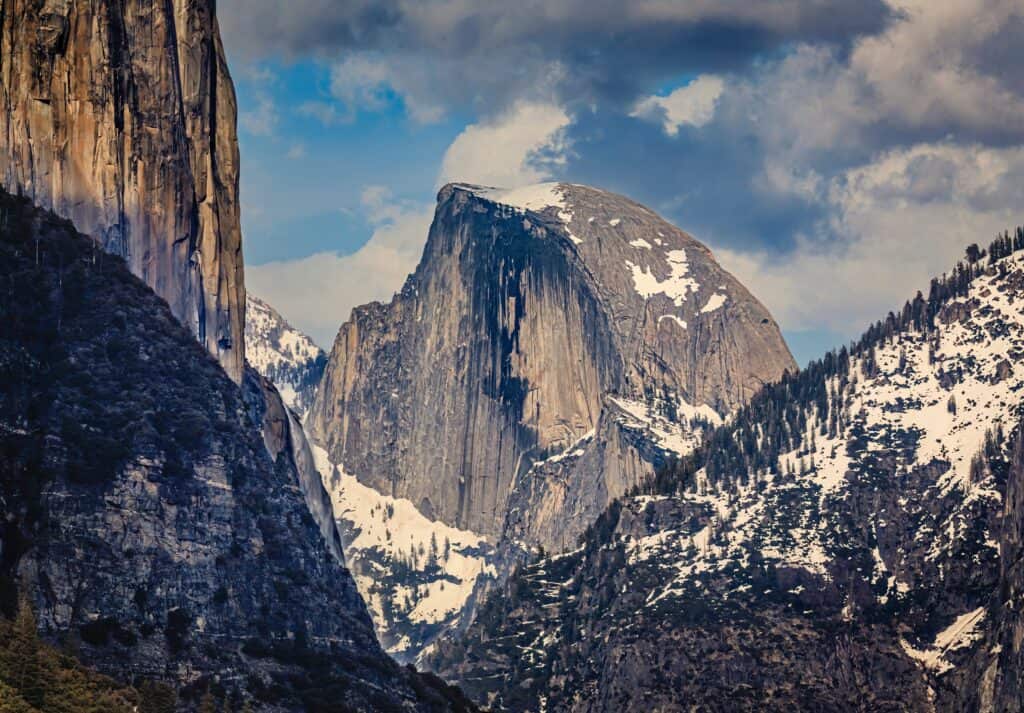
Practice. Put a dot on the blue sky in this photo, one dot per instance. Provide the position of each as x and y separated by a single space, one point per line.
834 155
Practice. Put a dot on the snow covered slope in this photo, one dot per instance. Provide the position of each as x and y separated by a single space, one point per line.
282 354
529 309
416 575
834 546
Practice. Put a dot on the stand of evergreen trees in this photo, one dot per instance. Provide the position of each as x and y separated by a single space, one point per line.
775 421
38 678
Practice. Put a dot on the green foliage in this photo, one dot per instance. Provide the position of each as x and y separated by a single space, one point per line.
37 678
155 697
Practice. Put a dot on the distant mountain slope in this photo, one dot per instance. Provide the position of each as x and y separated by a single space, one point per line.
835 546
419 577
556 344
152 509
283 354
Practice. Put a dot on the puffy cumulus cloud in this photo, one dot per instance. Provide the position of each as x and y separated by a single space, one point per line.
692 104
317 293
901 219
520 147
483 53
848 154
907 145
934 69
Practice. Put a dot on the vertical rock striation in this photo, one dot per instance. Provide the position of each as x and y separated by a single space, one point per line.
121 117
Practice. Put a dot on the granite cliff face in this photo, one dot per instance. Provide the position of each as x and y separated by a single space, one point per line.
164 520
121 118
533 317
849 540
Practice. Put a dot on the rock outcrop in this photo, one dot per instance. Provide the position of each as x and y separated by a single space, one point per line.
529 310
121 117
162 519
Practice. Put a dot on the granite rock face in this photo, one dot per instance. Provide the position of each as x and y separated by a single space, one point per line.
166 520
529 309
121 117
994 679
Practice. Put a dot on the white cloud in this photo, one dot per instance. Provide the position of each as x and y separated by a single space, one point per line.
898 221
296 152
324 112
263 118
924 69
693 104
520 147
373 82
317 293
924 78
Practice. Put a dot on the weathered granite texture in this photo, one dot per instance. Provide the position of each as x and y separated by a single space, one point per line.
121 117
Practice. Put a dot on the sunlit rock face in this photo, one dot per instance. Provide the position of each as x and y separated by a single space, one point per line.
168 521
121 117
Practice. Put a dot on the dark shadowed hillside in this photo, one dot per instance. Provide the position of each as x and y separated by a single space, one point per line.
143 514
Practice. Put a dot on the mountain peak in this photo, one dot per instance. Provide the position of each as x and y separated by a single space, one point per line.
554 325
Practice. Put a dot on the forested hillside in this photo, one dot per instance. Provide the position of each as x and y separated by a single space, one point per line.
835 545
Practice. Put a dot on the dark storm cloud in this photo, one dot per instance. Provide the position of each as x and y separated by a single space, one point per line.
491 50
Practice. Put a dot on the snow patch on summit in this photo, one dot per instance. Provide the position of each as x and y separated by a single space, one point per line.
671 317
537 197
717 300
677 286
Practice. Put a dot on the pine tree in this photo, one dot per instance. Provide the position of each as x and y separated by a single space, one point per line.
433 550
24 667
